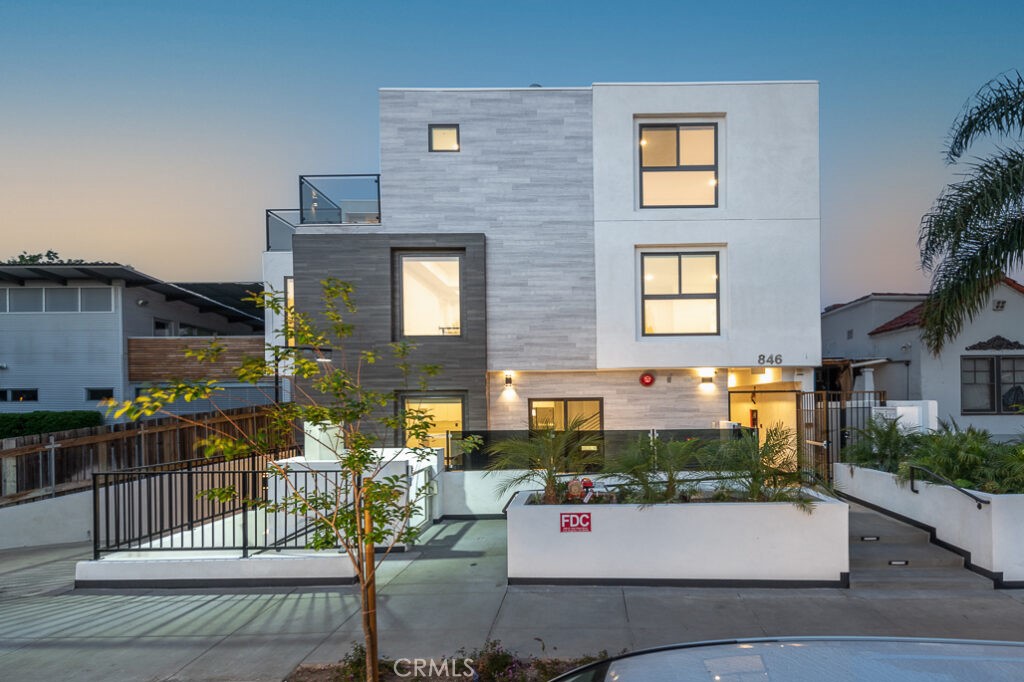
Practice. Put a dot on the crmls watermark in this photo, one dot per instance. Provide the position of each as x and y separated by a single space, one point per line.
428 667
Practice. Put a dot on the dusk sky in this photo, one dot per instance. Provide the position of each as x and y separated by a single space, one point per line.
156 133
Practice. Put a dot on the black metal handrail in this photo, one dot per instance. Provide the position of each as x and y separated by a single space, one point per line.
980 501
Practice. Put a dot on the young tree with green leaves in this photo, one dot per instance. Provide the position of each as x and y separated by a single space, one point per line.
974 233
367 512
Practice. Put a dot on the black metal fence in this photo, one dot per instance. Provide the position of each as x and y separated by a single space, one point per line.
154 509
831 421
460 457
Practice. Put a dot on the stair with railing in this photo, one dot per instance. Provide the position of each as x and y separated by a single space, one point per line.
888 554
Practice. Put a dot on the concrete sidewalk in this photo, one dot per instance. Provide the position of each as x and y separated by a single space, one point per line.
449 593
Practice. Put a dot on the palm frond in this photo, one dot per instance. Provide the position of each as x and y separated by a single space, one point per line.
972 236
998 107
992 192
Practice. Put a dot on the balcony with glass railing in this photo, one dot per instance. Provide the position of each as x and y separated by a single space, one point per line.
326 200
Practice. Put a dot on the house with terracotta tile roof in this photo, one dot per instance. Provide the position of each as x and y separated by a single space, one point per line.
874 342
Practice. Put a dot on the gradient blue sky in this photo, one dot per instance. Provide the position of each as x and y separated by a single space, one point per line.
156 133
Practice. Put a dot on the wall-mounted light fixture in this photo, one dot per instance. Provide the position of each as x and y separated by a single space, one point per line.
707 380
508 378
141 302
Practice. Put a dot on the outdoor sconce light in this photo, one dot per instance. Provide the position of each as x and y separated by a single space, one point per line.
508 379
707 380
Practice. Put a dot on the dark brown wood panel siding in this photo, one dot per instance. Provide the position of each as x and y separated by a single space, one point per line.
162 359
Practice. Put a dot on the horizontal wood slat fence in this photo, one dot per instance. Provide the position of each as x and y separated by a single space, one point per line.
58 463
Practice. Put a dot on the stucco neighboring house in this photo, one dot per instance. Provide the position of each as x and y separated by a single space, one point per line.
551 246
72 335
977 379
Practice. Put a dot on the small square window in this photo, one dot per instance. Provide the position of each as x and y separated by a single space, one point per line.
97 394
443 137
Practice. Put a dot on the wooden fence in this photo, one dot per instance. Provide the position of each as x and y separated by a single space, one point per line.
58 463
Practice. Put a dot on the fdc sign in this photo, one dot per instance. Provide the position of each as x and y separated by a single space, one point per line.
575 522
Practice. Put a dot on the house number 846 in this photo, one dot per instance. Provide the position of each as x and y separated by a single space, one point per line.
769 359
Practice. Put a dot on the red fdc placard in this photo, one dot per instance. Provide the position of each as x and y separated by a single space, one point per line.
575 522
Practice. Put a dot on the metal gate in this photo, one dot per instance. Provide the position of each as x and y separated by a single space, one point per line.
829 421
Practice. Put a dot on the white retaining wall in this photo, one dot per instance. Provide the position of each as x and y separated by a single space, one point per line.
721 541
991 534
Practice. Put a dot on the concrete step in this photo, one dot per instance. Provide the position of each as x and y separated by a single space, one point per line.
909 578
873 555
867 523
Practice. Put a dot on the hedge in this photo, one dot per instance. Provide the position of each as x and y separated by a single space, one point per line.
30 423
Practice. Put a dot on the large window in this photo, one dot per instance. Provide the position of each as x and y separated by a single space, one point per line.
993 385
680 293
679 165
557 413
431 301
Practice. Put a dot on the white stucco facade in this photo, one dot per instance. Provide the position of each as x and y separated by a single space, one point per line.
907 370
765 227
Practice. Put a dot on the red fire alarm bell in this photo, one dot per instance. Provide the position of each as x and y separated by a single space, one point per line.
646 379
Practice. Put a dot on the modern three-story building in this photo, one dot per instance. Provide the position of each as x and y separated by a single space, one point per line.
629 254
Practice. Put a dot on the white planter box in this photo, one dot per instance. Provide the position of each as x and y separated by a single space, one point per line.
989 537
720 543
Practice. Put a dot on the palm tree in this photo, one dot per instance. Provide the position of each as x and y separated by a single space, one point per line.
542 456
974 232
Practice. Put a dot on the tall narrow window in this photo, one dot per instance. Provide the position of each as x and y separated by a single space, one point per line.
289 302
680 293
679 165
431 302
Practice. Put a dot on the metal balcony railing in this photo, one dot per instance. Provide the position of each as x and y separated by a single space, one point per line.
326 200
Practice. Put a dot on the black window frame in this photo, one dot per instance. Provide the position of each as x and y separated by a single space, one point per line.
565 410
430 138
995 386
644 297
441 394
398 323
715 167
33 392
108 394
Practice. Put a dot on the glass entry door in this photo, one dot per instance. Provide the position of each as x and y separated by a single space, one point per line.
445 413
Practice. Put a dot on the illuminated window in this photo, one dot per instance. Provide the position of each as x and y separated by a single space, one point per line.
443 137
430 302
680 293
24 395
679 165
289 302
555 414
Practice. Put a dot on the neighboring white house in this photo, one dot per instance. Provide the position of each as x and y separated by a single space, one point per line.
72 335
550 247
977 379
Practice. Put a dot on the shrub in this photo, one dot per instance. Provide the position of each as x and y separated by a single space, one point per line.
882 445
31 423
